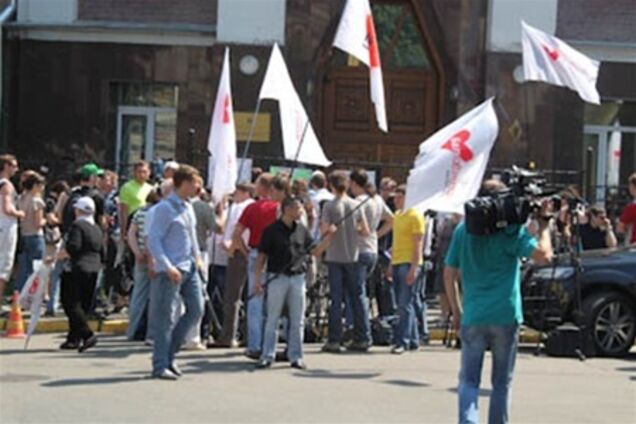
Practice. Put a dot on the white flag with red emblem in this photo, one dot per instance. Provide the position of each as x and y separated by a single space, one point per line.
356 36
548 59
32 295
451 163
222 169
300 142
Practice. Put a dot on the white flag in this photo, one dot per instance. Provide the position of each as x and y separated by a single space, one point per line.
356 36
614 156
32 294
451 163
546 58
222 167
299 139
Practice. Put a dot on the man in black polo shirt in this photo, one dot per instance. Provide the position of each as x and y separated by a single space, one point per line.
286 246
597 233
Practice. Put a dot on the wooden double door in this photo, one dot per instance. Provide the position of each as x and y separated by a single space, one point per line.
412 83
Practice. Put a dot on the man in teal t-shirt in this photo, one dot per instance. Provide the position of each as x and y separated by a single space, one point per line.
489 268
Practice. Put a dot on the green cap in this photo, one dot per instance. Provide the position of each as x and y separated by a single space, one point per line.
89 170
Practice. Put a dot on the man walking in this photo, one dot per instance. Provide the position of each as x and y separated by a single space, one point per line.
490 314
286 246
173 245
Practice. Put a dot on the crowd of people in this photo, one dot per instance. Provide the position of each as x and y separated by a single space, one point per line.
174 254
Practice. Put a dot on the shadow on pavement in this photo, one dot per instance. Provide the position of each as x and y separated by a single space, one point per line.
28 351
319 373
482 392
405 383
205 366
93 381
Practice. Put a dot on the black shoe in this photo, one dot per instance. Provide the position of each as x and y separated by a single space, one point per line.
175 369
359 347
69 345
299 365
253 355
281 356
88 343
263 364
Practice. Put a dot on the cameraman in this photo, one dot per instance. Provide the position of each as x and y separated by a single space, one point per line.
490 315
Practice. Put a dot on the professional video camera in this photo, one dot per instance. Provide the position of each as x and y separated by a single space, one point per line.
489 214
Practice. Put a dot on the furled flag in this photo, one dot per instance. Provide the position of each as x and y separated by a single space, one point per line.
299 139
614 156
451 163
222 168
546 58
32 294
356 36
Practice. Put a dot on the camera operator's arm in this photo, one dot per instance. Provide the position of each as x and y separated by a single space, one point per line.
542 255
451 279
610 237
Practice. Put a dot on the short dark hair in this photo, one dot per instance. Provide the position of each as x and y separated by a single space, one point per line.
360 177
401 189
338 181
290 201
265 180
318 180
185 173
60 186
32 180
632 179
141 164
246 188
597 210
5 160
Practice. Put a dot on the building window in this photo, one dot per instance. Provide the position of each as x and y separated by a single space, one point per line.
146 122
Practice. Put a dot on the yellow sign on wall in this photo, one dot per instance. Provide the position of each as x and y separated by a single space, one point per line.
262 129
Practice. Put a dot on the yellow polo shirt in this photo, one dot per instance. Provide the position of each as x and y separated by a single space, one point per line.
406 224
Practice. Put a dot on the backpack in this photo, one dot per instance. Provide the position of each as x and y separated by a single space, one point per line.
68 214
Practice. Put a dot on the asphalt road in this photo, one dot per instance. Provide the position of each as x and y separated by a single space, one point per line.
110 384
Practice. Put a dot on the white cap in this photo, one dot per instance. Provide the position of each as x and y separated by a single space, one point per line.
171 165
85 204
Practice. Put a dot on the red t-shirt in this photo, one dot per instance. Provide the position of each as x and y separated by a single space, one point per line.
628 217
258 216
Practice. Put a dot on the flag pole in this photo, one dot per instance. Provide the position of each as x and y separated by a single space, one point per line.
248 143
297 155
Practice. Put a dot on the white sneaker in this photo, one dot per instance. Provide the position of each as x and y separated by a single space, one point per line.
194 346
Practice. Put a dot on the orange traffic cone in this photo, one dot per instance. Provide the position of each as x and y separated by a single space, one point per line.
15 325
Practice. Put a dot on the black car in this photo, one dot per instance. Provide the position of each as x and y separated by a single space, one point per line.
607 284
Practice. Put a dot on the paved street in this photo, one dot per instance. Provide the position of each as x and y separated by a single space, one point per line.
110 384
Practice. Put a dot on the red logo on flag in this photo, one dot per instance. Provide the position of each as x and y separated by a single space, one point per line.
34 286
372 41
553 53
226 109
458 144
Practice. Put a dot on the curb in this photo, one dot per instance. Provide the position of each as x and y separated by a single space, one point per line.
119 326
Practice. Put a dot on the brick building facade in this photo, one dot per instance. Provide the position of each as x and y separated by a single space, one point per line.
91 81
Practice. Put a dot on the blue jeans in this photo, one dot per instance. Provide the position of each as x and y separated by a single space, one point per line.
360 301
138 301
285 290
502 340
406 333
421 308
169 331
254 308
54 288
32 249
341 277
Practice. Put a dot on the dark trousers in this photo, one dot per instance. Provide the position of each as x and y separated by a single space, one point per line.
78 288
235 279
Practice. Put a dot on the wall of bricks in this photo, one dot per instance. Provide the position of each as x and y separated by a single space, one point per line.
201 12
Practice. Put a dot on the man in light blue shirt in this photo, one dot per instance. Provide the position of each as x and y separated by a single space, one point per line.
172 243
489 269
